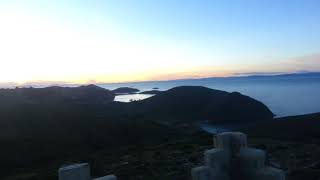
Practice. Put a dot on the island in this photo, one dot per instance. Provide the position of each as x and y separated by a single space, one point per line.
125 90
151 92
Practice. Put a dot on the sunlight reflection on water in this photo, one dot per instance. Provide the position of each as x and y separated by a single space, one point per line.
283 96
131 97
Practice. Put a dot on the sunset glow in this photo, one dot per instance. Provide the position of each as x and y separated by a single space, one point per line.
91 42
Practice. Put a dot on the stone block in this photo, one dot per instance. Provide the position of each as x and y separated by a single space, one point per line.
239 140
109 177
232 159
231 141
217 159
250 159
268 173
220 175
201 173
75 172
223 141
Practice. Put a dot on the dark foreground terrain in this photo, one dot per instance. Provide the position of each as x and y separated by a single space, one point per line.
156 138
175 155
293 142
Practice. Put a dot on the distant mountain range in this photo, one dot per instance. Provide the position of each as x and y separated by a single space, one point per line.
278 76
300 74
252 76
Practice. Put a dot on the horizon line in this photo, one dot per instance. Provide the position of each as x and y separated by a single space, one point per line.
235 75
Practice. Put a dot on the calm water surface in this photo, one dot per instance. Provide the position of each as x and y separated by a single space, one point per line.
284 96
131 97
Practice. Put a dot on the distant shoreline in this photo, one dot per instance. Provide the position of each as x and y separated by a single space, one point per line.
42 84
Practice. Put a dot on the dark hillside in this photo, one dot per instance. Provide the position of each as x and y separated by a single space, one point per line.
302 128
90 94
45 126
195 103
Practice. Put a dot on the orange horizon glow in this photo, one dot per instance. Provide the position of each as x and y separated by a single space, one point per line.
45 46
176 74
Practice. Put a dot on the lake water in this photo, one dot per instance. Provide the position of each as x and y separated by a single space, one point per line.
284 95
131 97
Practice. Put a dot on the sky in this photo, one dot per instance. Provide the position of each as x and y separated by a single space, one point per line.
92 41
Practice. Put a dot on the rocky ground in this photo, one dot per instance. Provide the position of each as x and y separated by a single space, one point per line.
174 158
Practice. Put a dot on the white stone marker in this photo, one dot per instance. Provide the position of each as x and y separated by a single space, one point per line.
233 159
75 172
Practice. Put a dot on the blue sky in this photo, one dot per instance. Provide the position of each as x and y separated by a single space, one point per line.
132 40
